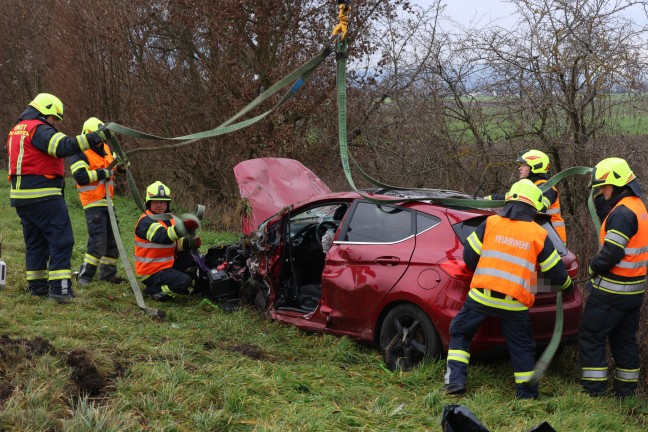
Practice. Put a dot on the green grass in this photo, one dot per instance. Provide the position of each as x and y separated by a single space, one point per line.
202 369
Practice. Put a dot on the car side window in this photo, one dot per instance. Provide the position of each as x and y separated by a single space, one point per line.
424 222
378 223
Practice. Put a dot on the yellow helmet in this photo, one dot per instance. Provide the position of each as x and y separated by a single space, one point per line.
537 160
527 192
158 192
616 172
91 125
48 104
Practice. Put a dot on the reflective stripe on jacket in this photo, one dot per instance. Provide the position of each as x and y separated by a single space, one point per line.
554 211
633 264
151 257
509 254
94 193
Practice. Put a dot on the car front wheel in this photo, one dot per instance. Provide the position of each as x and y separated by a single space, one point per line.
408 337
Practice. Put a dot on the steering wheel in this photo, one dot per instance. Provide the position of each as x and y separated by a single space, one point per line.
321 229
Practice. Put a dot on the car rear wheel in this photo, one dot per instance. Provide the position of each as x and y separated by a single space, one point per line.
408 337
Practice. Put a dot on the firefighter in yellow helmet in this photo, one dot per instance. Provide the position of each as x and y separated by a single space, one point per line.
164 248
90 170
36 151
504 251
618 282
534 165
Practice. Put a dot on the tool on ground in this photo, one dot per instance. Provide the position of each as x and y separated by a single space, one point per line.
3 270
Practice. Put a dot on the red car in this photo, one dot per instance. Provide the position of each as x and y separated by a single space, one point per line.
389 274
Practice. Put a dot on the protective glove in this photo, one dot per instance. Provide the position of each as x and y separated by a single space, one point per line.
120 169
104 133
177 231
190 222
106 173
189 242
488 197
545 204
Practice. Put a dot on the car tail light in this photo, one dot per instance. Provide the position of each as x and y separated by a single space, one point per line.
456 269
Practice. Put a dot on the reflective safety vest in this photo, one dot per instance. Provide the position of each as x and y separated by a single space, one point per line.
554 211
633 264
94 194
25 159
151 257
507 264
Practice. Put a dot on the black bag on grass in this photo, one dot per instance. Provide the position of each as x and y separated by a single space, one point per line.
458 418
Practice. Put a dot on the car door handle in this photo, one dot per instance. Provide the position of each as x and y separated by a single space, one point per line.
388 260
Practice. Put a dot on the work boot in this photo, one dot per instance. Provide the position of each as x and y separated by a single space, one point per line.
86 273
454 389
62 294
156 293
39 291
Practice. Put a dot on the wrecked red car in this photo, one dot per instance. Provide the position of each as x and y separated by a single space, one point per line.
388 274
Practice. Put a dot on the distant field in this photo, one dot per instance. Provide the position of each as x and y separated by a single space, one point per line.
627 116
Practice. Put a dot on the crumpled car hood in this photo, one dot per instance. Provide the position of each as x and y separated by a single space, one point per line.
270 184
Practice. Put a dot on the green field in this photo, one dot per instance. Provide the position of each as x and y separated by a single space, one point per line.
101 364
626 116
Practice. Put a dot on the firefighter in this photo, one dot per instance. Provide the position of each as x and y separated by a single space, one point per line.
534 165
90 170
36 150
618 282
504 252
163 247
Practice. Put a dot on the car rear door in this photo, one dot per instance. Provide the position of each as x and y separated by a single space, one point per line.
371 253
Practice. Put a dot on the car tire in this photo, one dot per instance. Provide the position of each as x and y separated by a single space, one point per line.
408 338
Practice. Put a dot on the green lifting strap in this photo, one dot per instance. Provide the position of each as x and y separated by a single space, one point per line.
296 78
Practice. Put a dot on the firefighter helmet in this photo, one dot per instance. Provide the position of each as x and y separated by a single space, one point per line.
48 105
527 192
537 160
616 172
91 125
158 192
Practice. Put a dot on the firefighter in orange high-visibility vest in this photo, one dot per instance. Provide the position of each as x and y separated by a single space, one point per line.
618 282
90 170
534 165
504 251
163 248
36 168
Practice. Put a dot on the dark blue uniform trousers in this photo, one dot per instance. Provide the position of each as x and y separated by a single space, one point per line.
171 281
614 317
516 327
101 243
47 231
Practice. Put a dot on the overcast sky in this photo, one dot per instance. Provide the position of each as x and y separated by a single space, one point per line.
467 12
475 11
